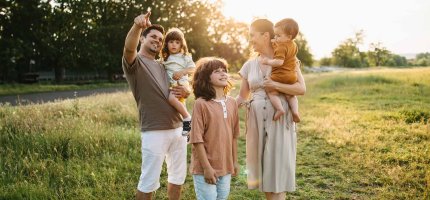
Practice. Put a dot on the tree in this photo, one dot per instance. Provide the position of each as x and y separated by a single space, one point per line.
84 36
21 32
347 54
422 59
304 54
326 61
396 61
229 40
378 54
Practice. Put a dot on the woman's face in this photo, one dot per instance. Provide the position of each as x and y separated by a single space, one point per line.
256 39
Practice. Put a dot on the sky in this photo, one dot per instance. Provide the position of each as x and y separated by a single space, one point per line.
402 26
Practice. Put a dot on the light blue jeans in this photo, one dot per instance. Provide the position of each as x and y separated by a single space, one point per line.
205 191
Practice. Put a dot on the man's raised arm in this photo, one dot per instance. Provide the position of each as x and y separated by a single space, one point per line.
132 40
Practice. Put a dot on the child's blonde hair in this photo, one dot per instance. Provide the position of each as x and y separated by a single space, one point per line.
173 34
202 86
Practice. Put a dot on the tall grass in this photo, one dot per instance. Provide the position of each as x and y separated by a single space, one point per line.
76 149
363 135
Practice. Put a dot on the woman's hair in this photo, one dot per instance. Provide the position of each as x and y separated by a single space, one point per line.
263 26
289 27
173 34
202 86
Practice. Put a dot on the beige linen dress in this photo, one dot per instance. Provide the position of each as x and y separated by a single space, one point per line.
270 145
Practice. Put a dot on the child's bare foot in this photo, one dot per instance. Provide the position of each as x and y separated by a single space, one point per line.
278 114
296 117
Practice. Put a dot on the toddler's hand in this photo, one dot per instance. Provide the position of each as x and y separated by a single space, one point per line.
264 60
177 75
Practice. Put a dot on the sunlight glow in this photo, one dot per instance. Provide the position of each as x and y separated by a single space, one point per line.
402 26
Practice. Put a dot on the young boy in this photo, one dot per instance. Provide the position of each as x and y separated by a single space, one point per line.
214 132
284 65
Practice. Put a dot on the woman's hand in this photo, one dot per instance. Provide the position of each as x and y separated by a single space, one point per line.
210 175
298 88
240 101
270 85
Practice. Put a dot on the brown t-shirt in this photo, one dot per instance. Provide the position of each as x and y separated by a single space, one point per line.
286 73
149 84
216 131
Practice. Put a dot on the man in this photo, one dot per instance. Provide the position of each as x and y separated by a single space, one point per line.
161 124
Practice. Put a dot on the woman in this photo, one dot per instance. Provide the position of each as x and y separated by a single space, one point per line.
270 145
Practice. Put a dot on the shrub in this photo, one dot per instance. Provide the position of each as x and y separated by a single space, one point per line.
415 116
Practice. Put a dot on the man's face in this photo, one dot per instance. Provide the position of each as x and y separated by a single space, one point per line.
153 41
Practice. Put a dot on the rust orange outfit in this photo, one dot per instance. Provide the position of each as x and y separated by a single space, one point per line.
286 73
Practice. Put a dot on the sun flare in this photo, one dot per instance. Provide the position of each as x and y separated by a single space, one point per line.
401 27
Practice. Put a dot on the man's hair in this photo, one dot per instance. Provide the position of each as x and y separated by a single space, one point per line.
263 26
153 27
173 34
289 27
202 86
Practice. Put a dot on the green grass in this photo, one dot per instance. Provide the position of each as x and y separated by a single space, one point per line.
14 89
364 135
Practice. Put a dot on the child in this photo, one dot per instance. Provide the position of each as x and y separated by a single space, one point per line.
179 65
284 65
215 131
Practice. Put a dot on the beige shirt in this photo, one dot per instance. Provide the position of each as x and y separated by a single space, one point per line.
216 132
149 84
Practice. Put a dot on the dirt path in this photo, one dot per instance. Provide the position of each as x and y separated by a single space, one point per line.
45 97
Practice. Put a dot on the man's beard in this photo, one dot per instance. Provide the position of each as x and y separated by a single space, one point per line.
154 51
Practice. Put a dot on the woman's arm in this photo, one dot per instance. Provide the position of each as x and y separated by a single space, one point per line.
243 93
298 88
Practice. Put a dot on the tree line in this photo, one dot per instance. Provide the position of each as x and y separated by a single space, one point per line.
348 54
87 36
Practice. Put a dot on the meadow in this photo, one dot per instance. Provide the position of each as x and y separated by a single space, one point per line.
365 134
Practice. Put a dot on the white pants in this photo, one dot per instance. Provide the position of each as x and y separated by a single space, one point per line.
157 146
